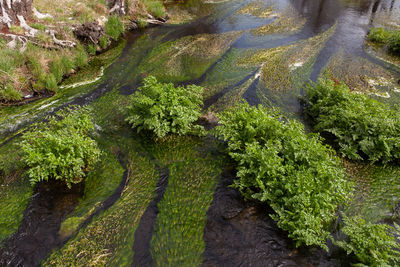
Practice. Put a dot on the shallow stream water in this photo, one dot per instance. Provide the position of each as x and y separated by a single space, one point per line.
176 207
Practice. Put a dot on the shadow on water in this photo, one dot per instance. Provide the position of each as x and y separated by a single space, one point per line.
143 234
38 232
240 233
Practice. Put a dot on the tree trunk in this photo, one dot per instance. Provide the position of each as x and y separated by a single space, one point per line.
13 11
116 7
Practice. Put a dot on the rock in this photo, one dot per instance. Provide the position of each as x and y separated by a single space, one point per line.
89 32
210 118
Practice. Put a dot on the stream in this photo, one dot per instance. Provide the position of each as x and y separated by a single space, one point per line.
169 203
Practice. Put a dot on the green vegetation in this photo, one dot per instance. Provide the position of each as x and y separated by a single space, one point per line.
163 108
391 38
280 165
361 126
114 27
373 244
108 240
15 190
178 232
99 185
155 7
61 148
379 35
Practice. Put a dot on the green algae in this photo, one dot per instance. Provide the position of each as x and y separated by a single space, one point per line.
288 21
15 190
186 58
108 240
178 232
227 72
99 185
257 9
361 75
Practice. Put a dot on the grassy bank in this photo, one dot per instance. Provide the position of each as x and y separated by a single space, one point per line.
38 67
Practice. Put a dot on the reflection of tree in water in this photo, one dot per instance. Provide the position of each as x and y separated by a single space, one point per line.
325 12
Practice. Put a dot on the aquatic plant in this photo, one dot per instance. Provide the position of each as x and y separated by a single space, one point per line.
373 244
61 148
362 127
164 108
279 164
384 36
378 35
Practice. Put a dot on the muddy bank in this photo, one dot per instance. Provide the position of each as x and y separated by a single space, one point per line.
240 233
38 232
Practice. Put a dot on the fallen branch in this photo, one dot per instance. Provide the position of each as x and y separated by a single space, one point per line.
40 15
14 39
62 43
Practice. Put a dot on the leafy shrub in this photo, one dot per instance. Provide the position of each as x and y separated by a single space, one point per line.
61 148
163 108
363 127
114 27
300 178
373 244
384 36
379 35
394 42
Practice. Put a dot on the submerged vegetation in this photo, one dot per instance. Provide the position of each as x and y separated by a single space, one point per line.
61 149
164 108
362 127
300 178
373 244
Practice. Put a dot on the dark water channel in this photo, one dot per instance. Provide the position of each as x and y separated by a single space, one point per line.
236 233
